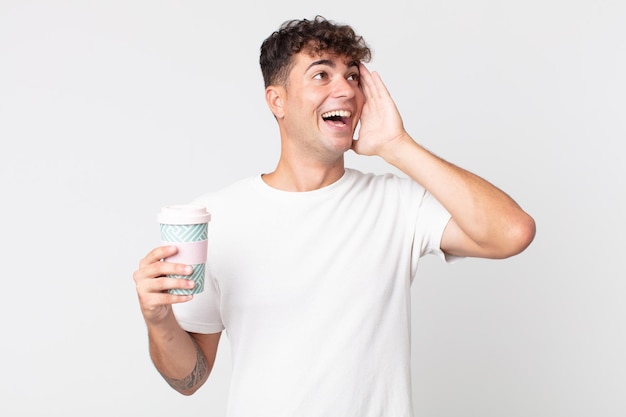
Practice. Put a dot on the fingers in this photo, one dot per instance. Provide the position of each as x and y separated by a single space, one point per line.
152 283
157 254
371 83
153 292
366 80
151 267
164 283
160 269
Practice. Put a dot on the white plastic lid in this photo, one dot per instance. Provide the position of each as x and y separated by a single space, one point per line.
184 214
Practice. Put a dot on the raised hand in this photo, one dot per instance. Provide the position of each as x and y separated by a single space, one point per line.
381 124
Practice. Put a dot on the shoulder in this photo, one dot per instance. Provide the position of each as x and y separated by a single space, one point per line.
232 192
388 182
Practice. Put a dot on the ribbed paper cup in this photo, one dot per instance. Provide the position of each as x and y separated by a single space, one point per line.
186 227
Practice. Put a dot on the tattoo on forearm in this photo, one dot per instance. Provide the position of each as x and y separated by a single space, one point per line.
196 376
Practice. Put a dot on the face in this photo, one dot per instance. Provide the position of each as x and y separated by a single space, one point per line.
321 103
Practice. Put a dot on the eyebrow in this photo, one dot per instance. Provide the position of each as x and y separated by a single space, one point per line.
330 63
322 62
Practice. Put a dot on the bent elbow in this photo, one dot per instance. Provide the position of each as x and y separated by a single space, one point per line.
520 236
187 393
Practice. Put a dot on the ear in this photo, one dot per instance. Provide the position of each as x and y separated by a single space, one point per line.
274 98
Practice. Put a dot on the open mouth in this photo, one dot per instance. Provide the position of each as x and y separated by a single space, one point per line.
337 117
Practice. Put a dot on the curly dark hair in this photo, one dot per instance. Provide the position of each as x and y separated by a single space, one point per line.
315 36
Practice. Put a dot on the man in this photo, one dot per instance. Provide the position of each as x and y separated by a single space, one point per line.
310 265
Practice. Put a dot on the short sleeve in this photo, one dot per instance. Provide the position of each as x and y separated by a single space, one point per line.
431 222
202 313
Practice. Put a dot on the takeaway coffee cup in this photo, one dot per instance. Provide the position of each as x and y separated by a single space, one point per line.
186 227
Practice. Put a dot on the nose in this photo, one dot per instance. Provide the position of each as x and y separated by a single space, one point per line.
343 88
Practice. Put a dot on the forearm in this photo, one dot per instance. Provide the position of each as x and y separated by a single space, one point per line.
177 357
487 215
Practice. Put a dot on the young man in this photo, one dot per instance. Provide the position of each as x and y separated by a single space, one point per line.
310 266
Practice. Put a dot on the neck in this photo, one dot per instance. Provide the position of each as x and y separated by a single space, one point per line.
302 176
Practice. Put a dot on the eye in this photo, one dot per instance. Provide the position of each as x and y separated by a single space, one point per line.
320 76
354 77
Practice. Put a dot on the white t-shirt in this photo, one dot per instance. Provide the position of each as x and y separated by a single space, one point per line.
313 291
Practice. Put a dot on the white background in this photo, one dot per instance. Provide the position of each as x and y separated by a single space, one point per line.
111 109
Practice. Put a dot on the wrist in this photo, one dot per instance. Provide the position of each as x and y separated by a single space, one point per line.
395 151
163 327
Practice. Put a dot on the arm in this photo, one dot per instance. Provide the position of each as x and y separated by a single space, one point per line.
485 222
183 359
